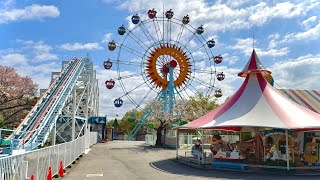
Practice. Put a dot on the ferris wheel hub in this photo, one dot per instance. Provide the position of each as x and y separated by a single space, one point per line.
173 63
168 55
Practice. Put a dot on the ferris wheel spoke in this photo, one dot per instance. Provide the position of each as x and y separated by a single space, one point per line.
203 59
157 29
204 71
203 82
146 33
132 51
161 33
129 76
190 39
145 97
137 40
127 92
170 31
196 49
180 95
180 33
194 90
125 62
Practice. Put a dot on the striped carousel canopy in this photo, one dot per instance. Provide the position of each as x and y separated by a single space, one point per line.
258 104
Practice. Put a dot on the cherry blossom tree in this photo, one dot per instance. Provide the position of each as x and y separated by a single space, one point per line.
16 96
183 110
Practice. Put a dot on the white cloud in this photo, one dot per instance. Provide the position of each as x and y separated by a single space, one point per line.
246 45
229 59
107 38
13 59
306 24
310 34
80 46
274 39
31 59
221 17
41 51
281 10
34 11
300 73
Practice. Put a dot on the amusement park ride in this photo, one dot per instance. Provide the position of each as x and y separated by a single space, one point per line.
62 112
170 59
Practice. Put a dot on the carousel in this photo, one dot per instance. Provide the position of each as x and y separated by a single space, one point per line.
268 129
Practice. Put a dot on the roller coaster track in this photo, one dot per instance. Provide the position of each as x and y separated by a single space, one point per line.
36 127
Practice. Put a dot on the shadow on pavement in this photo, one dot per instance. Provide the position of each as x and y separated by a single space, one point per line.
174 167
142 148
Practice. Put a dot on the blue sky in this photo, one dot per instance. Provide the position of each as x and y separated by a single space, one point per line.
36 35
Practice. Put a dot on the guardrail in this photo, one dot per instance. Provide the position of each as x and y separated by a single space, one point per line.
37 162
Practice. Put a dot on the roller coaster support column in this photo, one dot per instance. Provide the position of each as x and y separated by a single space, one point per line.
87 125
73 116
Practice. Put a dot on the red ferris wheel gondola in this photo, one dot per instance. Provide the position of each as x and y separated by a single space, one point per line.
218 59
110 83
152 13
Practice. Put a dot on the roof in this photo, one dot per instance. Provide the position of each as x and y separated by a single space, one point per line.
307 98
254 65
257 104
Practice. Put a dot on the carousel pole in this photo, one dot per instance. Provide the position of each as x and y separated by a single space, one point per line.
287 150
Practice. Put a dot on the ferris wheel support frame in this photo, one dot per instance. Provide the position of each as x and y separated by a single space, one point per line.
167 94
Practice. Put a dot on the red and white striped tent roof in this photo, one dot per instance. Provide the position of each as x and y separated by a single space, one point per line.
257 104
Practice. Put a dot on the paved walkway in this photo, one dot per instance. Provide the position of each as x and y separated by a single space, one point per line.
126 160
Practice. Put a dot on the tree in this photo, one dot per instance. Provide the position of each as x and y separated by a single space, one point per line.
127 126
200 105
186 110
160 118
110 123
16 96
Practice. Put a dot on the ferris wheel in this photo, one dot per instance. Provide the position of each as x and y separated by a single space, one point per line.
163 57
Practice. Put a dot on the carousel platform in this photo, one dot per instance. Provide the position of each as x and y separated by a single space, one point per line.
250 168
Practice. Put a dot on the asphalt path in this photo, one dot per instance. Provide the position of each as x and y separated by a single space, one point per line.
130 160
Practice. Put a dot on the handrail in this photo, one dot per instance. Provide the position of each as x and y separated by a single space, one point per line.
51 102
39 101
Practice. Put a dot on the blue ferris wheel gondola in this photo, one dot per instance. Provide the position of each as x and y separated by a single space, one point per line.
135 19
211 43
118 102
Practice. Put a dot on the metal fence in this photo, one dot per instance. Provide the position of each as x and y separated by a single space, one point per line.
37 163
